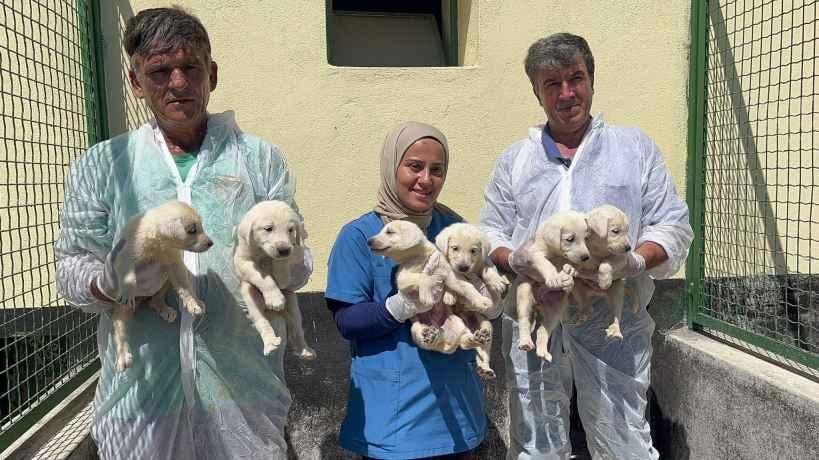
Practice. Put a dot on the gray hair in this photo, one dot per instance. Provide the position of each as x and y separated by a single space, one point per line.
558 51
163 30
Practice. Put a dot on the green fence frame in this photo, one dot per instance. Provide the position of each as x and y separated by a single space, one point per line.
57 24
707 306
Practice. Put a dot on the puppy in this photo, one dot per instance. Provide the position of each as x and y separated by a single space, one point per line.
269 243
559 241
608 245
466 248
437 329
157 238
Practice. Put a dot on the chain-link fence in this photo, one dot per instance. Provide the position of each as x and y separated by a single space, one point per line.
753 172
51 105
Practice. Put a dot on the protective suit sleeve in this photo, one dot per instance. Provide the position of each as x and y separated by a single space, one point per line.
281 185
498 214
85 237
664 214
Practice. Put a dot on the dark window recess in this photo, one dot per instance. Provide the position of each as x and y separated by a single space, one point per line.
373 33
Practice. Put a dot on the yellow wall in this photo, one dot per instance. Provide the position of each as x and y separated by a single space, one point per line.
331 121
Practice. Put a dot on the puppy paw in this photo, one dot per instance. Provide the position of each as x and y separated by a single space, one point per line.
430 334
526 344
569 270
482 304
194 307
271 344
273 300
124 361
306 354
483 336
544 355
498 287
168 314
613 332
425 295
604 280
486 372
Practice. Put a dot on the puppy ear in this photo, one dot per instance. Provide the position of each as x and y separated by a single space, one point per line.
598 223
442 240
244 228
551 234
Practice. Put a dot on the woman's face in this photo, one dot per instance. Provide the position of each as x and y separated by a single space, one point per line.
420 175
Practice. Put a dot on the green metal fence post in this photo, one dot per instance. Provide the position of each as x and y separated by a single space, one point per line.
694 273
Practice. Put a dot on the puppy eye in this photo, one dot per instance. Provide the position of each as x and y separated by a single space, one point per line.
389 232
616 231
473 251
455 248
191 229
269 228
291 230
570 238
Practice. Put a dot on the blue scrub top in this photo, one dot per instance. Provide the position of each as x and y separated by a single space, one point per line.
404 402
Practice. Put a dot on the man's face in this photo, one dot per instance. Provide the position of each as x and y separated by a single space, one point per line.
176 85
565 95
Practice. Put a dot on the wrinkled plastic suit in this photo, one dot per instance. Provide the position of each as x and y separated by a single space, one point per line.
624 168
198 388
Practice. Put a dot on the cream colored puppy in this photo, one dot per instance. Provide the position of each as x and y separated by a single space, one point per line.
466 249
437 329
270 242
608 245
157 238
560 241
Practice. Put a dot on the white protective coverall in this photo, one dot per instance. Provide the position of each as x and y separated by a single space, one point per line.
198 388
624 168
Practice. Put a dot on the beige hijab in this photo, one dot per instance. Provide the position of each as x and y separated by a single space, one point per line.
389 207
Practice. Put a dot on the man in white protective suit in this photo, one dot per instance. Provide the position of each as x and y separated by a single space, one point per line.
578 162
200 387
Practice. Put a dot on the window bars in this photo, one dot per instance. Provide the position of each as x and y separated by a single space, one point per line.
753 273
52 109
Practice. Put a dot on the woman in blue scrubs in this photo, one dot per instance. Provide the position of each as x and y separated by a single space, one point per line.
404 402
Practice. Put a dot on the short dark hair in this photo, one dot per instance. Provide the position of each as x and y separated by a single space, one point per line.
557 51
163 30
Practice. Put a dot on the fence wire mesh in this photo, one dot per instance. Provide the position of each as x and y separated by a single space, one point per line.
50 108
758 175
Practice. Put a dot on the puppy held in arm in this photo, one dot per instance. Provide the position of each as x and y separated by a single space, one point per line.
269 245
560 241
157 238
608 245
437 329
466 250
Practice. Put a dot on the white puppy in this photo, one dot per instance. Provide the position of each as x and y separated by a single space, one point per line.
418 259
270 243
559 241
157 238
466 249
608 245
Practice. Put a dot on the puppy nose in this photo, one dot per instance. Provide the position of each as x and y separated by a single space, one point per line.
584 258
210 243
463 268
627 248
284 252
370 243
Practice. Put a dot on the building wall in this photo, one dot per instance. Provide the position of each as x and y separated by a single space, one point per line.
330 121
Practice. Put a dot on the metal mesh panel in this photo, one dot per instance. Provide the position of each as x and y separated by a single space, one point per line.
49 103
759 205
